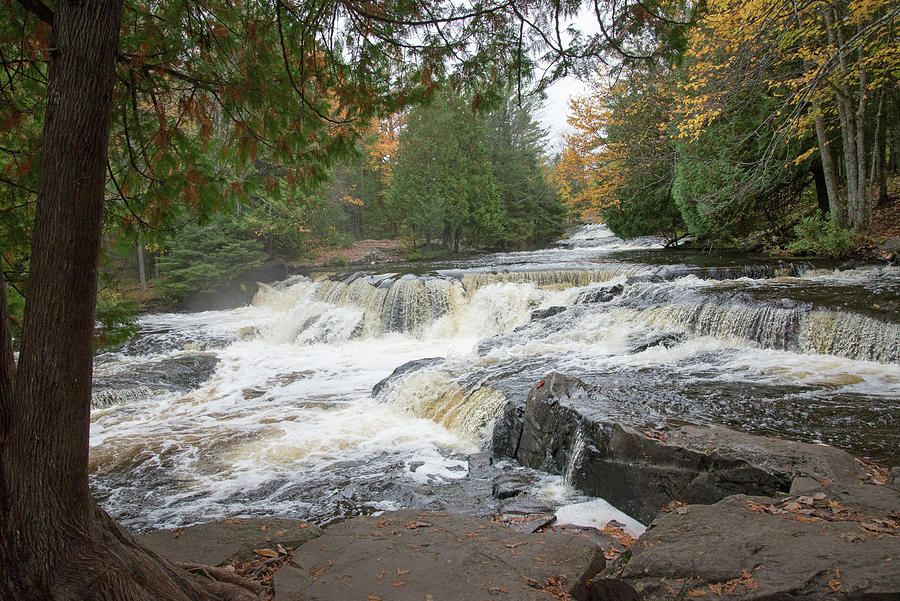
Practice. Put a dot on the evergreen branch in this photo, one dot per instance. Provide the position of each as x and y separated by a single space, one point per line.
38 9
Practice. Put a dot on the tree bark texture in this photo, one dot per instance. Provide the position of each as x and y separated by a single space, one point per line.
834 202
55 542
142 274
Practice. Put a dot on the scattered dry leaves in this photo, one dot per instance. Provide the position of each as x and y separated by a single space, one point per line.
619 534
729 587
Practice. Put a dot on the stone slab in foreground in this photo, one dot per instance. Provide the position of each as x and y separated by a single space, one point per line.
411 555
231 541
837 542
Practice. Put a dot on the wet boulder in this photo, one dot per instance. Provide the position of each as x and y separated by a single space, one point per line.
406 368
548 312
510 485
639 472
600 295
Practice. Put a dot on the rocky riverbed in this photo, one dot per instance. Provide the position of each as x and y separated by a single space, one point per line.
732 516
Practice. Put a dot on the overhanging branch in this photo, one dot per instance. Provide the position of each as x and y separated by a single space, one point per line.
38 9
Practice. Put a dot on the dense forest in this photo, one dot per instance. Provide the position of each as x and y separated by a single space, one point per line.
439 178
777 123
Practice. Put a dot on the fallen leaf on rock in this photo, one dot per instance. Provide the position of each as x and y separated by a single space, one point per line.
697 593
372 597
853 537
672 505
266 552
728 587
876 527
399 584
413 524
402 572
682 510
805 519
619 534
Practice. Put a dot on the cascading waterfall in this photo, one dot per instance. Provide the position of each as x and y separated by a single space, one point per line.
799 328
850 335
433 394
268 410
551 279
575 454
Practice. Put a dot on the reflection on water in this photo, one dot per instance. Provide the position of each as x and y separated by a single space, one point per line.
267 409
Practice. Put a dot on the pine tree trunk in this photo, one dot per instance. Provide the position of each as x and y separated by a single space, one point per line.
828 170
7 375
141 273
860 219
846 114
55 542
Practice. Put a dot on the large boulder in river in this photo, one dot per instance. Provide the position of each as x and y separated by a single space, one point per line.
734 516
639 472
403 370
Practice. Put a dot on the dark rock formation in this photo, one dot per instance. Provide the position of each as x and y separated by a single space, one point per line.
548 312
183 371
404 369
640 472
600 295
510 485
734 516
668 339
409 555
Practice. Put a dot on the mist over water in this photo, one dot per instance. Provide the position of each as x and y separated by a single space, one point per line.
268 409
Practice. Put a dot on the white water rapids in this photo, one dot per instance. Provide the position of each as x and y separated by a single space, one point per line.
268 409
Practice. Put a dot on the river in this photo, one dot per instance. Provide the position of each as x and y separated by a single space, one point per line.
267 409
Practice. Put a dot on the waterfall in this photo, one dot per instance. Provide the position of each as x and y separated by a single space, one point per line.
575 454
433 394
799 328
551 278
850 335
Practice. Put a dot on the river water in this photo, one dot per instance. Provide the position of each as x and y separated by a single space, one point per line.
268 409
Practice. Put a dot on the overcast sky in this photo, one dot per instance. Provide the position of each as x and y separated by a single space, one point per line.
556 110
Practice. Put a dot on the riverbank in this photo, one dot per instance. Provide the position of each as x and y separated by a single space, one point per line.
828 530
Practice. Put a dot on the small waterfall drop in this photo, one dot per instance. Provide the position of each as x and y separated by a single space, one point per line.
433 394
575 454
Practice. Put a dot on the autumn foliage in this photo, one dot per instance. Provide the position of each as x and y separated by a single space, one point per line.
770 110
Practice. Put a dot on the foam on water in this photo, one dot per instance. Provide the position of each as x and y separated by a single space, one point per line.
285 425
